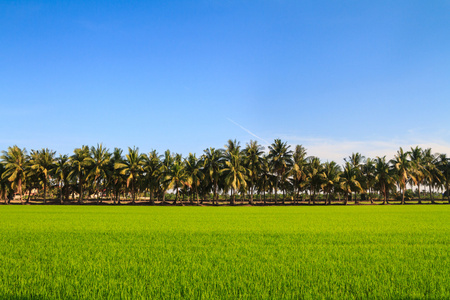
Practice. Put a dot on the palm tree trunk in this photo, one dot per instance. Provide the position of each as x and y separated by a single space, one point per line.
20 189
448 193
418 190
96 191
403 195
66 189
133 193
431 196
61 201
196 195
176 198
264 191
80 198
29 195
276 190
45 191
216 200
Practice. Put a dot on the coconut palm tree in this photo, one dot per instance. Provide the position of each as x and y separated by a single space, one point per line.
367 178
176 178
132 169
164 171
61 171
384 178
403 170
234 172
265 177
252 161
80 162
116 180
434 175
152 165
416 156
99 167
349 181
212 164
330 177
281 161
444 167
15 160
42 163
192 168
298 171
4 184
314 178
357 160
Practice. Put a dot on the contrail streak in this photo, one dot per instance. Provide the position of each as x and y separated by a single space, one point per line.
248 131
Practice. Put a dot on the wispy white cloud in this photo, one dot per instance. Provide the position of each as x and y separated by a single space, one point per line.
248 131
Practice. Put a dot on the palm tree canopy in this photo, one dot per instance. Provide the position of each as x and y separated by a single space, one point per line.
280 156
132 165
14 161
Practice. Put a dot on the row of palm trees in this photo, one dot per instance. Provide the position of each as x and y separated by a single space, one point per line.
234 173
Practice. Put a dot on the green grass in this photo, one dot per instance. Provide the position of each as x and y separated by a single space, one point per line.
76 252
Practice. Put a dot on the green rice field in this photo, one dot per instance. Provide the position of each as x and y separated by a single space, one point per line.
130 252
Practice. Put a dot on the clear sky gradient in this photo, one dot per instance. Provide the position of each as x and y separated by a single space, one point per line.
335 76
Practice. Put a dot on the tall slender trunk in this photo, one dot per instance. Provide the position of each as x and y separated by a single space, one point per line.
151 196
403 195
61 201
80 198
176 198
251 194
66 188
163 196
216 199
418 190
196 195
97 191
45 191
264 191
276 191
448 193
431 195
20 189
29 195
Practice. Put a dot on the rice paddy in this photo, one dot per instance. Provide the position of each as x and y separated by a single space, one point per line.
85 252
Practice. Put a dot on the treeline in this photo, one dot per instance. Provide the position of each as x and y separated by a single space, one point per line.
235 173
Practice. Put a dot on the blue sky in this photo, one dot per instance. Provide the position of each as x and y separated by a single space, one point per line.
335 76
